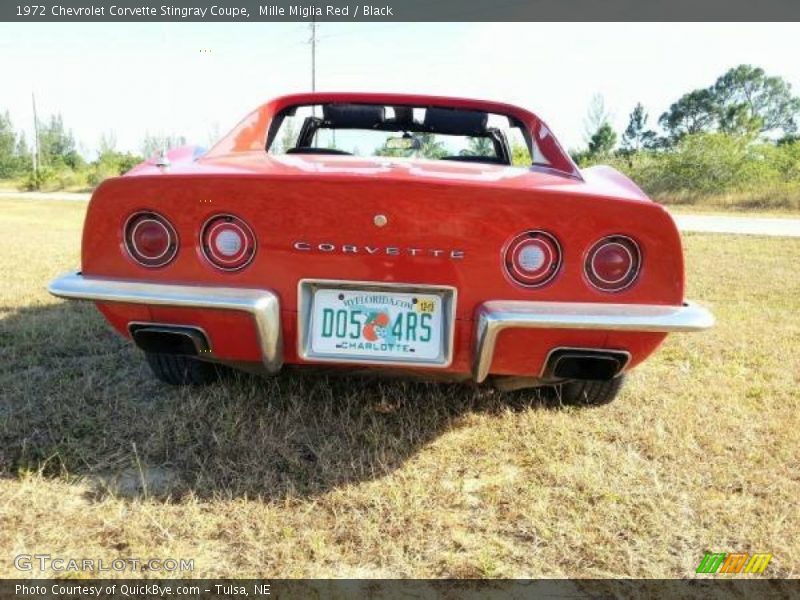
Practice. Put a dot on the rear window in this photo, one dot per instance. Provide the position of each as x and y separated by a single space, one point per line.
403 132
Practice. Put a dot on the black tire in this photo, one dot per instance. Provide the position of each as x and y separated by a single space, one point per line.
181 370
590 393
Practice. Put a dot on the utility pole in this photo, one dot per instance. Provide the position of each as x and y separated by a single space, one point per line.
35 156
313 42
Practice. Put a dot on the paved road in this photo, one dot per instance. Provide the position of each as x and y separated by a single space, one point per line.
43 196
777 226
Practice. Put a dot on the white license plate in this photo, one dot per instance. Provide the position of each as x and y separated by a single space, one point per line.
377 325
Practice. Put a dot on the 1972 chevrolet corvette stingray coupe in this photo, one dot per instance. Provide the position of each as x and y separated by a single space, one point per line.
421 235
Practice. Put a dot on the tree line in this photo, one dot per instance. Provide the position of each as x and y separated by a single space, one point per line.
736 138
55 161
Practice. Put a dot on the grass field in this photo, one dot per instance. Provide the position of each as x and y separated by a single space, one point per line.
291 477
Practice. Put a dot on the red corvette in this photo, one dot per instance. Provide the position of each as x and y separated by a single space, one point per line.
415 234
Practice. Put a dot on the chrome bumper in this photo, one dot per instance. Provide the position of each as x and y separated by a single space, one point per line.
263 305
495 316
492 317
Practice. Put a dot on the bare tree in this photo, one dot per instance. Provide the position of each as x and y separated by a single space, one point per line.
596 117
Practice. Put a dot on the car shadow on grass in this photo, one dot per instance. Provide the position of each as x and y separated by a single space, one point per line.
81 403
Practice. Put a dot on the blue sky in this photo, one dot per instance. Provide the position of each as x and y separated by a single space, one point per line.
199 79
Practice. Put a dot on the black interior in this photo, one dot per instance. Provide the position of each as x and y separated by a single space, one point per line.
475 159
437 120
312 150
447 121
353 116
456 122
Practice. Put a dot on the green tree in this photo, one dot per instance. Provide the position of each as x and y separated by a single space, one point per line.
478 146
742 100
520 155
24 164
8 147
603 141
749 100
288 137
57 146
596 117
637 136
717 162
15 158
694 112
108 143
430 146
599 133
110 163
390 152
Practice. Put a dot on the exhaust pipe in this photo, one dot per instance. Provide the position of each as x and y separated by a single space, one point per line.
170 339
585 364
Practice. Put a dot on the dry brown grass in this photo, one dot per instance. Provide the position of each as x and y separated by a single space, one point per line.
305 476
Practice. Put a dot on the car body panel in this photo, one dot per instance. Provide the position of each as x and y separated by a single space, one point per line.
447 224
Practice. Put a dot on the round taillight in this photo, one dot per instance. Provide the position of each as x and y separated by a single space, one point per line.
150 239
228 242
613 263
533 258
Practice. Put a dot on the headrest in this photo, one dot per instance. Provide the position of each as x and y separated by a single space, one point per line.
455 121
403 115
353 116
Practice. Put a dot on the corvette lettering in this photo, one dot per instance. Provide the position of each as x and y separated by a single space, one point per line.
331 248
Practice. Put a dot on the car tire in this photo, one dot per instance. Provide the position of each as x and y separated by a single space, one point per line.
589 393
181 370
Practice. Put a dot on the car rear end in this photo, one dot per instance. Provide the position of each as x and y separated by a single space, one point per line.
464 271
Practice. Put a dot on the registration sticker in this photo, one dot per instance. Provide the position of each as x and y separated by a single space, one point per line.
426 306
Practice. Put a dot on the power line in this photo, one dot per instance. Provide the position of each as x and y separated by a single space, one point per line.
35 155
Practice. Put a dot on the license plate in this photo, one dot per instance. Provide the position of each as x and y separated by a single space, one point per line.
377 325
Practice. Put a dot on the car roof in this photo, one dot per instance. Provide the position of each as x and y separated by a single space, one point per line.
250 134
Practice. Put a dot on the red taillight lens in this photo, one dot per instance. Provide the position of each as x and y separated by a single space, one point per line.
228 242
533 258
150 239
613 263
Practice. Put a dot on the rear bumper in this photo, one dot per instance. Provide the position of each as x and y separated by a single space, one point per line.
496 316
492 317
263 305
